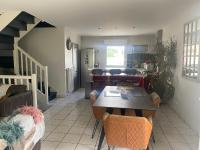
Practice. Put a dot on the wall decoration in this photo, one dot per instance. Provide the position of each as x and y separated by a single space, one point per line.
69 44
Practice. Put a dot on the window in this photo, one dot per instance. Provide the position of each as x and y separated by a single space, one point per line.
191 65
115 55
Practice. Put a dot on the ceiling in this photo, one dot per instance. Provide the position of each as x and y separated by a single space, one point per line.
103 17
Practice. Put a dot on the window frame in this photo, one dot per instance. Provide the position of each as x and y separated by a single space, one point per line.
191 50
114 66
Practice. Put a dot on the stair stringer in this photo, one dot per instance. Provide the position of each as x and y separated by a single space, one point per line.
23 33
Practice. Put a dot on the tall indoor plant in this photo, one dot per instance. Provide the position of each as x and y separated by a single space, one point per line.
166 63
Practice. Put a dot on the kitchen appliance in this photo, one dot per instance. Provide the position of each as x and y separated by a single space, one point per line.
87 63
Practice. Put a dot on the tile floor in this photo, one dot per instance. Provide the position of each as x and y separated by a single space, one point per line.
69 124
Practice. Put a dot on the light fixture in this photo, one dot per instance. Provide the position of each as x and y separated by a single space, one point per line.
133 27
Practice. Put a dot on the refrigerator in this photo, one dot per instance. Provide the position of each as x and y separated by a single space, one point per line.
87 63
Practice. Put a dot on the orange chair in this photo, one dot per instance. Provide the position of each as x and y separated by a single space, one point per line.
98 111
127 132
156 101
150 113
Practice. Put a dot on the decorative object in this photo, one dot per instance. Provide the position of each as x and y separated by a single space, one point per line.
69 44
32 111
10 132
166 60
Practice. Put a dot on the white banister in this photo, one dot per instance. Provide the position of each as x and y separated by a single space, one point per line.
46 83
34 86
6 79
21 64
16 61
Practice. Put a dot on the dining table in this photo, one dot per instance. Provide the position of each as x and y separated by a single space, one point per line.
123 98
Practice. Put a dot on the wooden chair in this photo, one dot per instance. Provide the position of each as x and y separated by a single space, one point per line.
127 132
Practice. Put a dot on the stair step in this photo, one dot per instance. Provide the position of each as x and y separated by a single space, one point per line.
18 25
6 46
26 18
6 53
6 62
10 32
6 39
52 95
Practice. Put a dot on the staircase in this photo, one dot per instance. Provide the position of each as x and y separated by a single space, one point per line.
14 57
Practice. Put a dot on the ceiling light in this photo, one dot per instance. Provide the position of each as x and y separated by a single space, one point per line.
99 28
133 27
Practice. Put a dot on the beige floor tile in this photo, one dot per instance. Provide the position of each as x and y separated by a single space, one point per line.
86 139
72 138
57 137
76 130
81 124
47 145
85 147
50 128
192 139
180 146
62 129
66 146
67 122
175 138
160 145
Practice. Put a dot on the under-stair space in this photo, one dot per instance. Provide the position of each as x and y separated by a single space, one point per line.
18 61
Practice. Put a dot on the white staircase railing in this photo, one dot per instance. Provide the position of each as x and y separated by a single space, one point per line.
25 64
25 80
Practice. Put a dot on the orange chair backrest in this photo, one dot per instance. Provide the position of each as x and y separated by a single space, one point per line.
156 99
93 97
127 132
97 111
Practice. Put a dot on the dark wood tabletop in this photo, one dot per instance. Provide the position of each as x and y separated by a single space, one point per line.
115 97
124 98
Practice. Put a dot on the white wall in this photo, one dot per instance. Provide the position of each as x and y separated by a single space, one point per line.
187 95
98 43
75 38
47 46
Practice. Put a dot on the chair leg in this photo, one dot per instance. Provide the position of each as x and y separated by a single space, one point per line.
108 147
153 137
95 128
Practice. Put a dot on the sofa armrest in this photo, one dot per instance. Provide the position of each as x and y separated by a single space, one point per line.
10 104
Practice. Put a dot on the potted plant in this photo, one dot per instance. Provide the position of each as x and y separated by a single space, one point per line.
166 59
